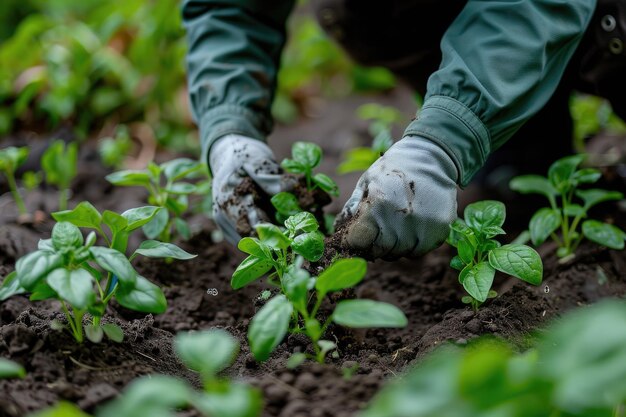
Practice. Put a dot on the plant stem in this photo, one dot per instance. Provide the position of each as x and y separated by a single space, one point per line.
21 207
63 197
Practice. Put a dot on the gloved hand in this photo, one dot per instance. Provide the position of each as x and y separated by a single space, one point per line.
233 158
403 204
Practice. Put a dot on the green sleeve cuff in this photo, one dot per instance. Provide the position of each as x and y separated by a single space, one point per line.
231 119
458 131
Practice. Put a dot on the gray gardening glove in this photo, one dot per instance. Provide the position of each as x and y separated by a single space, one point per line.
403 203
233 158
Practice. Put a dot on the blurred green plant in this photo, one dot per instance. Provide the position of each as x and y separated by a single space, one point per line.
10 160
10 369
576 370
114 150
591 115
60 165
382 120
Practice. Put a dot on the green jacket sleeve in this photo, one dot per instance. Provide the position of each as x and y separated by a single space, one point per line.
502 61
234 49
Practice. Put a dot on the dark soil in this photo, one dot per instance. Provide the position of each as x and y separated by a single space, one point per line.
200 297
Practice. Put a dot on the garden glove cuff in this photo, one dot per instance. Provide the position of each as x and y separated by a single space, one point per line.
403 204
232 158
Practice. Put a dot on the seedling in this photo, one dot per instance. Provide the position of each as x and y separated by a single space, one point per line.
172 194
479 255
12 158
85 277
382 119
280 256
114 150
59 163
564 213
305 157
10 369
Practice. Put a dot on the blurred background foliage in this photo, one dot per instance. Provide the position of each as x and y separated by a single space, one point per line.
94 65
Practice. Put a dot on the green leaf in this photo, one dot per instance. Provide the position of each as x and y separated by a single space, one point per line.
157 225
94 333
295 282
604 234
137 217
156 249
113 332
145 297
253 246
326 183
562 171
358 159
11 158
10 286
466 251
458 231
181 188
595 196
457 263
192 349
269 326
139 178
10 369
573 210
302 222
309 245
368 313
177 204
59 163
75 287
586 176
35 266
533 184
231 400
485 214
292 166
83 215
478 280
342 274
520 261
45 245
286 203
296 360
115 262
179 168
543 223
272 236
306 153
249 270
66 235
116 222
61 409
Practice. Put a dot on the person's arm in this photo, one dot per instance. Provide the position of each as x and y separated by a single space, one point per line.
234 50
502 61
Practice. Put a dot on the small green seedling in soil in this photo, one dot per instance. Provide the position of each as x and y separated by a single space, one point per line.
208 353
280 255
10 369
59 164
565 213
114 150
85 277
167 190
479 255
305 157
12 158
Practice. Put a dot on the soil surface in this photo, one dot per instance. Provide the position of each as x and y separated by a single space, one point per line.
200 297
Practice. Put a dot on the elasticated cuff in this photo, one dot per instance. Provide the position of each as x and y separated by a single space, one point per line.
454 127
231 119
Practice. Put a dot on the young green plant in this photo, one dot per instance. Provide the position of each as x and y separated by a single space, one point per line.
59 163
85 277
11 159
566 216
114 150
167 190
280 255
305 157
480 256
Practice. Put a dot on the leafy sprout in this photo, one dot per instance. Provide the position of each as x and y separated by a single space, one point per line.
296 309
564 220
305 157
167 190
480 255
11 159
85 277
59 164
